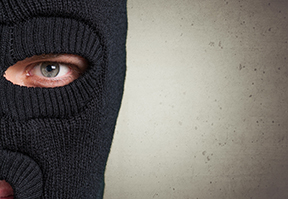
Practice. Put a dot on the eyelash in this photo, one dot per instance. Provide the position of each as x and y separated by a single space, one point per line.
51 81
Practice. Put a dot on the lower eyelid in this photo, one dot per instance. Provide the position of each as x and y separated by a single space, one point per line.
23 72
34 80
36 70
51 82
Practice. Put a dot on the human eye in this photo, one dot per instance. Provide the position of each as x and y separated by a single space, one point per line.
46 70
49 70
51 74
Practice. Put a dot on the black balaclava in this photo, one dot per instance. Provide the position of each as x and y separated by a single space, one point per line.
54 142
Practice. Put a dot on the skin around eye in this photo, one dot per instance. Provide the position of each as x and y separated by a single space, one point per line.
51 74
50 70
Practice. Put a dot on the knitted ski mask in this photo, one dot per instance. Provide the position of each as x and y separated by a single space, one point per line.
54 142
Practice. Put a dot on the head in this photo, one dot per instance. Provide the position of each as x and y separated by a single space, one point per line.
62 70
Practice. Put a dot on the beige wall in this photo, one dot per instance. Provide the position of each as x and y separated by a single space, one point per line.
205 109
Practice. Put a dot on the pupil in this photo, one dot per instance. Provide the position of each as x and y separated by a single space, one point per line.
49 68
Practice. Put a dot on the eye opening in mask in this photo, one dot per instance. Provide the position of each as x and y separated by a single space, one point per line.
47 70
62 99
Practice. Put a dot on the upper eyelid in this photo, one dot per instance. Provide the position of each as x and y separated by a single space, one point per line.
72 65
59 58
63 63
31 67
51 60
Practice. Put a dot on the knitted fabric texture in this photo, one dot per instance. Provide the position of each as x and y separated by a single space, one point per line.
54 142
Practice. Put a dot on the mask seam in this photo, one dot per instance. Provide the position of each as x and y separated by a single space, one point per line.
11 43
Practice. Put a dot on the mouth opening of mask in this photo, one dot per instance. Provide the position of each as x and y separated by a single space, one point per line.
6 191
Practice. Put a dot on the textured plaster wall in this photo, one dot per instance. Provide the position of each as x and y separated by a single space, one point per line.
205 109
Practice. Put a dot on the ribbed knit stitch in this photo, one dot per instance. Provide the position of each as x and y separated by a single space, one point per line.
35 43
22 173
54 142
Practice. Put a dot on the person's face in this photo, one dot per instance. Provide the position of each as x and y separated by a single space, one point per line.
46 70
43 71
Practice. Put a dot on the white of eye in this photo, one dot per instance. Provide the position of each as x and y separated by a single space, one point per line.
50 69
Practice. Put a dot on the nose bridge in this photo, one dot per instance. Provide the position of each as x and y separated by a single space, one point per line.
6 40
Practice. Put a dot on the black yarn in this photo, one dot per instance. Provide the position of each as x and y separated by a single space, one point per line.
22 173
65 131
